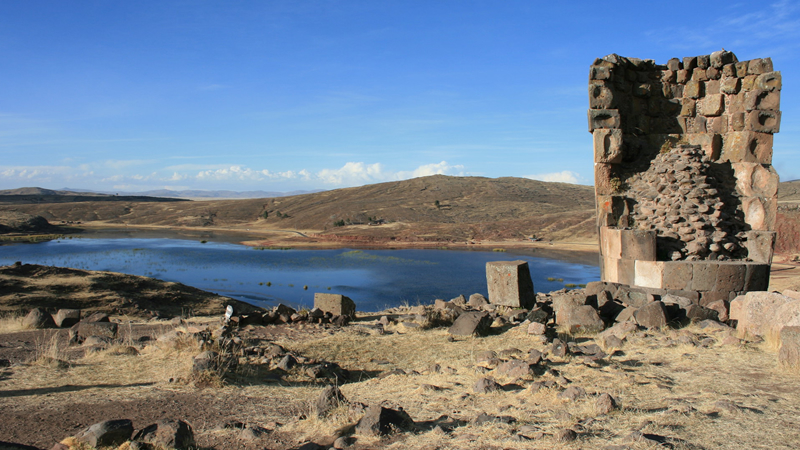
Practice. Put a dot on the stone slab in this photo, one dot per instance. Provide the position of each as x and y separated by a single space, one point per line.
509 283
338 305
649 274
638 245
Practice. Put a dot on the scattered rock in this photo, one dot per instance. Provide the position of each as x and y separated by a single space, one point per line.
514 369
471 324
37 319
329 399
486 385
579 319
65 318
107 434
572 393
565 435
173 434
605 404
651 315
379 420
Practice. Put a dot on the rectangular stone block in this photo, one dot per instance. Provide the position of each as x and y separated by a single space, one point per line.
688 107
682 76
509 284
770 81
649 274
626 271
760 246
710 143
730 276
749 82
759 65
694 296
338 305
755 180
638 245
693 89
721 58
689 62
763 121
712 73
746 146
607 145
729 85
600 73
760 212
674 64
610 272
717 125
603 118
704 275
601 96
741 69
762 99
756 277
678 275
709 297
729 70
609 210
712 87
711 105
606 181
699 74
611 242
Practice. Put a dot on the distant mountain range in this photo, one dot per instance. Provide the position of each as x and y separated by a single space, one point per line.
163 193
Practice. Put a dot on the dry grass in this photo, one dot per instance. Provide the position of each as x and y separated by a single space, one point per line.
717 397
11 322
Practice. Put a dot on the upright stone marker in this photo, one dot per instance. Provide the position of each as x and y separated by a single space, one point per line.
510 284
338 305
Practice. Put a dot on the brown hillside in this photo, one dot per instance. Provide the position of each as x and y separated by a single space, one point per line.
789 192
468 207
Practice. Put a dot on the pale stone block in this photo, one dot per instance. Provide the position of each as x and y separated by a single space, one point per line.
760 245
600 96
747 146
649 274
760 212
607 145
611 242
710 143
610 270
770 81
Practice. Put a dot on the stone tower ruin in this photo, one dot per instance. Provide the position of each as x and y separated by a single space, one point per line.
685 190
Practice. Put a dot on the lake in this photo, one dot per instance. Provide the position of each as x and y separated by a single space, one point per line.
374 279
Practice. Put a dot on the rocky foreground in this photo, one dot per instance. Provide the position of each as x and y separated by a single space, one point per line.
601 367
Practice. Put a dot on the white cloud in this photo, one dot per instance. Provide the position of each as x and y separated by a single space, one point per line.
441 168
566 176
352 173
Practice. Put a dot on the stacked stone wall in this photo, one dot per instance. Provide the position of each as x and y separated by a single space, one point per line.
683 160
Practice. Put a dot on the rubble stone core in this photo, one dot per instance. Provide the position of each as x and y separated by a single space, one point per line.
685 190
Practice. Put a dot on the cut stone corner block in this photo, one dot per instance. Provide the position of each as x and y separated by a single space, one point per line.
509 284
336 304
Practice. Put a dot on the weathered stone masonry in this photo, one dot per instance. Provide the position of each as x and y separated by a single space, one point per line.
686 193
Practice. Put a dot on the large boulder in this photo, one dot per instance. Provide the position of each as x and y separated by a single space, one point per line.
579 319
789 352
379 420
756 312
338 305
37 319
172 434
651 315
66 318
472 324
510 284
107 434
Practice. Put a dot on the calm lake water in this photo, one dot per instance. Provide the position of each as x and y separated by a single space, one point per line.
374 279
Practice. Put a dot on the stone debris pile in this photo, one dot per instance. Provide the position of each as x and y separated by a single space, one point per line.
680 200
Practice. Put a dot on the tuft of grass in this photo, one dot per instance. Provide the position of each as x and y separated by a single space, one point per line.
11 323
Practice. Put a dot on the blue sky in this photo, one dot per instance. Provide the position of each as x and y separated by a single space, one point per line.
288 95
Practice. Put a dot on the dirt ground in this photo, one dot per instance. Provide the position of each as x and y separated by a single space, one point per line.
690 388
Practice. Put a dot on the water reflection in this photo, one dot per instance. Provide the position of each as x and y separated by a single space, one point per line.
374 279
